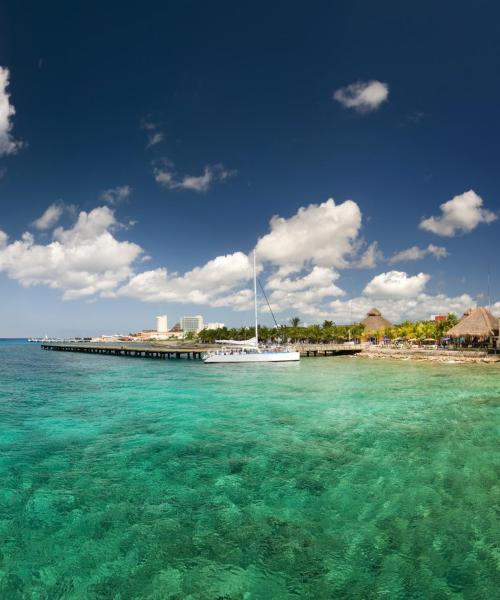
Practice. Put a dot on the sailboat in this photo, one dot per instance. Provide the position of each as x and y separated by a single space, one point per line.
235 351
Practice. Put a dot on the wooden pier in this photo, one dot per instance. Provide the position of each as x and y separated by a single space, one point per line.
194 352
123 350
328 349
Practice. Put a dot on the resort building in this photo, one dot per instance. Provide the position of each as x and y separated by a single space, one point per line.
176 332
162 324
192 324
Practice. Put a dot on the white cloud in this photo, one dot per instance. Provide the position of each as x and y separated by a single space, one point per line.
116 195
319 234
50 217
201 285
166 176
154 138
396 284
239 300
8 145
83 261
461 214
300 257
155 135
437 251
419 307
416 253
303 293
370 257
363 96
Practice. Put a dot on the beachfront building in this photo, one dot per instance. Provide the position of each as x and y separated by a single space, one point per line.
477 327
176 332
162 324
213 326
192 324
374 324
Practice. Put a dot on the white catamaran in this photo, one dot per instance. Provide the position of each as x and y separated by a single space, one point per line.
233 351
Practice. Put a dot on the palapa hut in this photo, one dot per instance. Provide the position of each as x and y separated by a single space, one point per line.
477 323
374 324
374 321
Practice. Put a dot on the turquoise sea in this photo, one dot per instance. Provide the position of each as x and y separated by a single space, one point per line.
333 478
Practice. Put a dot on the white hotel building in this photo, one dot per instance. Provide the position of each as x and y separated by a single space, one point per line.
192 324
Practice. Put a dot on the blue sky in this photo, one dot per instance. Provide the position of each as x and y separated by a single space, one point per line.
205 121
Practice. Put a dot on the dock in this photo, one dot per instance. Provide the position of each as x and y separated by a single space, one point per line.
124 350
186 352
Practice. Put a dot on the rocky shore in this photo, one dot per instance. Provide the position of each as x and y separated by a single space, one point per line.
434 355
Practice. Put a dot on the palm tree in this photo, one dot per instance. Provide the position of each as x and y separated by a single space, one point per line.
295 321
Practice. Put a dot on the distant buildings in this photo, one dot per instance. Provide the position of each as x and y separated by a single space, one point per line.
176 332
186 325
214 326
192 324
161 324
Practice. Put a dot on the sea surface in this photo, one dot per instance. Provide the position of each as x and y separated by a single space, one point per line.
332 478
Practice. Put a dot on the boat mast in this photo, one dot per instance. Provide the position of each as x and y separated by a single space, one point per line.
255 299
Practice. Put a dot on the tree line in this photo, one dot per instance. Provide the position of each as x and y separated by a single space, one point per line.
329 332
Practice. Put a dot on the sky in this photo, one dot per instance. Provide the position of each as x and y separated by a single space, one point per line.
146 151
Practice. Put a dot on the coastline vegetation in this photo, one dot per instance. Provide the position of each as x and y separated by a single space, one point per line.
330 332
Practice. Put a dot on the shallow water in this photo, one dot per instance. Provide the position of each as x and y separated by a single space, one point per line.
333 478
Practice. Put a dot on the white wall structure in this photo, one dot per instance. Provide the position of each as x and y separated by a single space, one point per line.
192 324
214 325
161 324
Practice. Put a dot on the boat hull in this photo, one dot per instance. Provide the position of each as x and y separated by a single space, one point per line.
252 357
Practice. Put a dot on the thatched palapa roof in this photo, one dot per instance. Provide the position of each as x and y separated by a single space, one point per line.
478 323
374 321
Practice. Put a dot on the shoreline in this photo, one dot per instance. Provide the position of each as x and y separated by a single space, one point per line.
434 355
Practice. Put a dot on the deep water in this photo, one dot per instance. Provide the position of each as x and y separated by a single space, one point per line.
333 478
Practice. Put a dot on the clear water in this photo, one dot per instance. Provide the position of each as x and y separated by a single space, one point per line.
333 478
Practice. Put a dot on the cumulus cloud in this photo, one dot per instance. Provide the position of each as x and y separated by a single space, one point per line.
369 259
416 253
320 234
116 195
419 307
300 258
165 175
312 244
396 284
461 214
8 145
83 261
201 285
363 96
50 217
303 293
